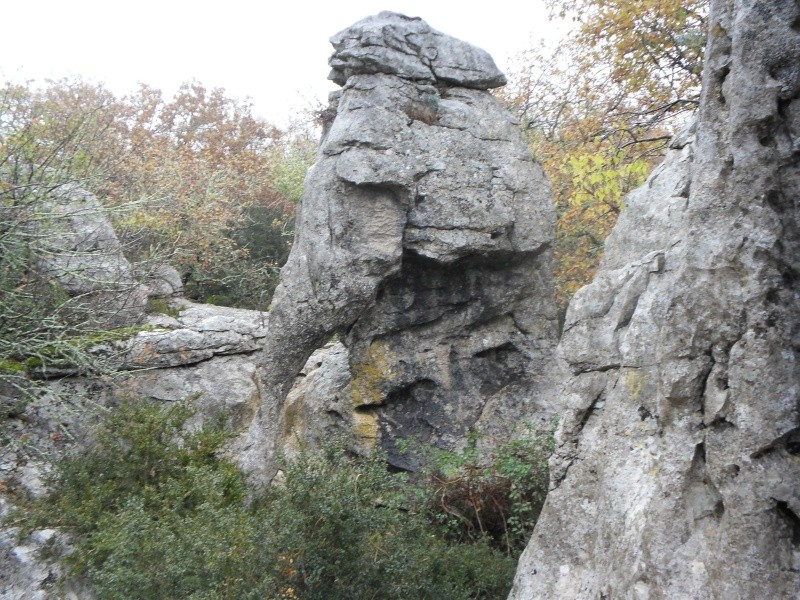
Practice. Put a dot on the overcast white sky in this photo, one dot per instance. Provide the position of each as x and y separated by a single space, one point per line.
273 52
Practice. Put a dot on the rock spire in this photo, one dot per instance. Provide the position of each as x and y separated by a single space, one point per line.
676 472
423 240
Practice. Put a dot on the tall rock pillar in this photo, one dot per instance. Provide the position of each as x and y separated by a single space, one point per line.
677 471
423 240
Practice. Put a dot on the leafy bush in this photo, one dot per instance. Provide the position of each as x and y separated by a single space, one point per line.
154 512
495 498
347 528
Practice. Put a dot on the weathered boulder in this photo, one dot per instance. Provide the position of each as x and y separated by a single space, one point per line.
209 353
29 568
164 281
25 575
77 246
390 43
423 238
676 471
196 333
53 420
318 408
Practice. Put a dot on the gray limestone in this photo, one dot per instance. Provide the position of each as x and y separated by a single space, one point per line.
197 333
76 244
423 238
164 281
211 354
318 409
676 473
390 43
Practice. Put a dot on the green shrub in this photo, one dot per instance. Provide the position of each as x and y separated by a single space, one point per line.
154 512
346 528
159 306
494 498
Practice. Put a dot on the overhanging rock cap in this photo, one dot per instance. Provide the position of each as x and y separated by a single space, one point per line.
408 47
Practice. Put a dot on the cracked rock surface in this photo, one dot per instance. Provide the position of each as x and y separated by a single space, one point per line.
423 239
198 332
209 354
676 471
74 243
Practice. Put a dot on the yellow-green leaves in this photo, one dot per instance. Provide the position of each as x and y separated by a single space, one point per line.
599 179
595 181
600 108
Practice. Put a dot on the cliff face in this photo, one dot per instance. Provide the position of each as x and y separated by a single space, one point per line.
676 473
423 240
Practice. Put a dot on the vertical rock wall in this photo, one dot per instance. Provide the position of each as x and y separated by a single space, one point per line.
677 472
423 240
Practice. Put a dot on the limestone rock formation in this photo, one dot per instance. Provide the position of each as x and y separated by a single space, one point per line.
676 472
76 244
208 355
24 575
390 43
196 333
318 408
423 239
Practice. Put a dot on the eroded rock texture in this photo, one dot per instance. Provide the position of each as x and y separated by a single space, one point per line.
209 354
677 472
75 244
423 239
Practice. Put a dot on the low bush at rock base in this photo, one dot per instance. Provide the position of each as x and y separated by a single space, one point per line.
494 497
155 512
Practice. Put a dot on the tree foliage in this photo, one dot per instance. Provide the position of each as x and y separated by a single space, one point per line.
195 179
599 109
650 50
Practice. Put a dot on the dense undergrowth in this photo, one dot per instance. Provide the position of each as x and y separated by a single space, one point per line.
155 512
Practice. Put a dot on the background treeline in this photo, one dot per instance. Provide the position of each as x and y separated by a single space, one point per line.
197 180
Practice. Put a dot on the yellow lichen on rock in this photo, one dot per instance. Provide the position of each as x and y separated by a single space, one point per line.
635 382
369 375
366 390
365 429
